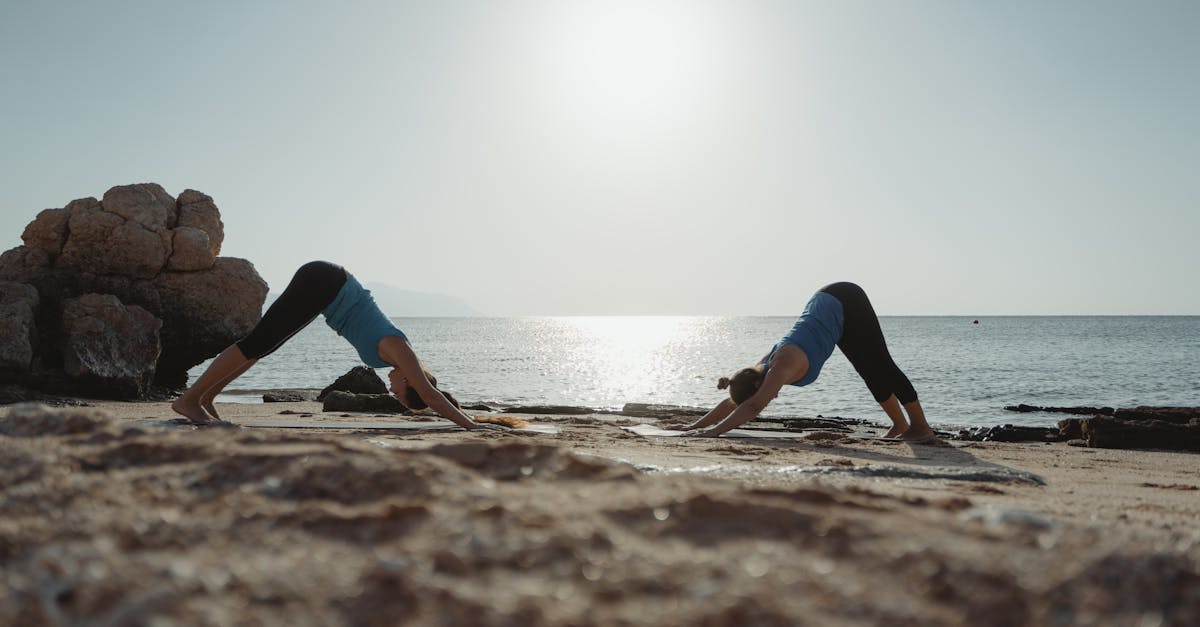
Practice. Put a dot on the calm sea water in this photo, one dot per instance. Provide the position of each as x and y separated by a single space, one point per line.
965 373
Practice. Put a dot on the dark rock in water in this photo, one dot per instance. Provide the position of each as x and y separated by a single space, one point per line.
478 407
644 410
1071 428
1177 415
1094 411
1011 433
1143 427
359 380
1110 432
109 349
289 396
148 250
347 401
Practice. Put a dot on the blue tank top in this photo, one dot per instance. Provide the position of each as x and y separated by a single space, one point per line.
355 316
816 333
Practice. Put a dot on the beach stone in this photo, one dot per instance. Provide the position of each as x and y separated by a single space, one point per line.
1012 433
27 420
146 204
204 312
18 329
289 396
103 242
348 401
109 348
1071 428
358 380
23 264
197 210
47 232
191 250
1081 410
1111 432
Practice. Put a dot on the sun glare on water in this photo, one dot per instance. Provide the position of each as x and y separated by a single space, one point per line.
630 356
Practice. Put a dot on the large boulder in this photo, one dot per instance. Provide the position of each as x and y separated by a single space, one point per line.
109 349
204 312
18 330
146 204
191 250
47 232
198 211
148 250
23 264
103 241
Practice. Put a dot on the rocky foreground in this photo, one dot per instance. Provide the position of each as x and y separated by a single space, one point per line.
116 516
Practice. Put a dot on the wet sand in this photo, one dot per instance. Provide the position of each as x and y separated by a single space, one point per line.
123 518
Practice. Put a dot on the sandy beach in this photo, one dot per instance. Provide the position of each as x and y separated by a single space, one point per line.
112 515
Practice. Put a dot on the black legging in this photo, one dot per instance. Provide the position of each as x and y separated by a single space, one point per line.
862 343
314 286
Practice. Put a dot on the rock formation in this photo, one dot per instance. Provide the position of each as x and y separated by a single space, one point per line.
1143 427
349 401
108 296
358 380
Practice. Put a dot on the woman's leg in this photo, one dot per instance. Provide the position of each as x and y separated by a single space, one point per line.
310 291
863 344
225 368
206 401
891 407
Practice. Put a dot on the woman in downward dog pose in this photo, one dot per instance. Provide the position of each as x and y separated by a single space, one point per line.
838 314
320 287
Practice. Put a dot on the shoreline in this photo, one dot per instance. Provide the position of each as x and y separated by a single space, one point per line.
592 525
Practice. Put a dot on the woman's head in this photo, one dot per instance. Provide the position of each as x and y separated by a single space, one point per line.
743 384
413 401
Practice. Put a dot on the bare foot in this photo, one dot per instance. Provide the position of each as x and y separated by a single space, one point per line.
895 431
916 436
208 406
192 411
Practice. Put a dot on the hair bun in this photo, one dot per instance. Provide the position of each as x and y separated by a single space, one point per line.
722 383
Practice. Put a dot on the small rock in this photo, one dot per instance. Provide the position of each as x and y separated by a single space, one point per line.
359 380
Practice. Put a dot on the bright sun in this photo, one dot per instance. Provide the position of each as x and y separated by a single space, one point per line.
630 70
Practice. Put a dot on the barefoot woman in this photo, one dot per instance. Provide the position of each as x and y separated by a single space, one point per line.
838 314
321 287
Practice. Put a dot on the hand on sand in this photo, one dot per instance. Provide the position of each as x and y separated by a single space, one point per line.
483 426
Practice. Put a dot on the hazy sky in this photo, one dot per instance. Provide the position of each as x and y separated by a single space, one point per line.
642 157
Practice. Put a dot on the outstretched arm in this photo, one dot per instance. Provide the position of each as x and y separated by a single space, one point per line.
717 414
394 350
778 375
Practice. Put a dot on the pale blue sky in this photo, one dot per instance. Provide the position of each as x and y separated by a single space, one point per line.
642 157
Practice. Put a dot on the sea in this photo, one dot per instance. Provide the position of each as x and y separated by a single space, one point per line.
965 369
